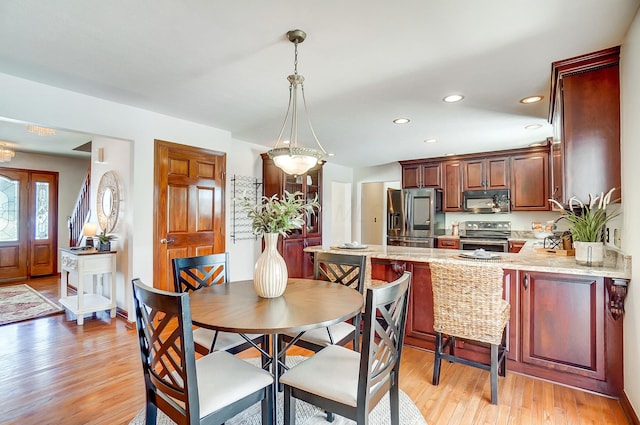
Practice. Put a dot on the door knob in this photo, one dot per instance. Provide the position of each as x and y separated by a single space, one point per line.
166 241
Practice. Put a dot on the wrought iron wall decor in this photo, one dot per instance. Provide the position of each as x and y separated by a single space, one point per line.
245 187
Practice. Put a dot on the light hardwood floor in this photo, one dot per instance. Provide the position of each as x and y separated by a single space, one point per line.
55 372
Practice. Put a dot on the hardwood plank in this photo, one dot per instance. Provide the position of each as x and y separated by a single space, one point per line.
55 372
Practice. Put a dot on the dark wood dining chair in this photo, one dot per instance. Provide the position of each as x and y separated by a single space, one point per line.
344 269
194 273
209 390
351 383
468 304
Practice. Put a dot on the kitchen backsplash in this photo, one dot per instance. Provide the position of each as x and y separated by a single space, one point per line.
521 222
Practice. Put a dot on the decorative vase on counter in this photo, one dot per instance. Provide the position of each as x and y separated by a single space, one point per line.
104 246
270 274
589 253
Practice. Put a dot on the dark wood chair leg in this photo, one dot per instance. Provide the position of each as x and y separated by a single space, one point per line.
436 359
494 373
502 371
151 414
289 407
394 403
267 406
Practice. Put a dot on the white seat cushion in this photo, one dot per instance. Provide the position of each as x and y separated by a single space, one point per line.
224 379
320 336
331 373
225 340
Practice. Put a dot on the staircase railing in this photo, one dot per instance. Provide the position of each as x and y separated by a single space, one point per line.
80 213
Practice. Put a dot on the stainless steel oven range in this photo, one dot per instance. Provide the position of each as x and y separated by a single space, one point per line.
488 235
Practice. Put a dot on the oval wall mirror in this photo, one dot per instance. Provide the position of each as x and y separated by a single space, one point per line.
108 201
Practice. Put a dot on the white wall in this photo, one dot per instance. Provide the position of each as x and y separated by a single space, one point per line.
59 108
630 147
332 173
71 174
384 173
117 159
340 213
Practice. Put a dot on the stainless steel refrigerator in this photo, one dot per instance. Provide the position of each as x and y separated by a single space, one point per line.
414 217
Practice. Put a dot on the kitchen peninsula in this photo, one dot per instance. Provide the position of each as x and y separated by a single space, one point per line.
566 319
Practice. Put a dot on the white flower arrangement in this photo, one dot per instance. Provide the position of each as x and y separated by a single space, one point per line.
587 222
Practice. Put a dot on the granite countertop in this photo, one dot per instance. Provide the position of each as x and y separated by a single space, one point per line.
616 265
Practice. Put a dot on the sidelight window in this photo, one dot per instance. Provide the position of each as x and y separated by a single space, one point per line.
42 211
8 210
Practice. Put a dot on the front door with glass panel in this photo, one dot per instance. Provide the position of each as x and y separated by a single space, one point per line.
28 230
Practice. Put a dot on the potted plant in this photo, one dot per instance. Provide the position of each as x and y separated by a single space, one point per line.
587 224
273 217
104 241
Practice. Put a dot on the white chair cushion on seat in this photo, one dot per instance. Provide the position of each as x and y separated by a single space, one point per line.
338 366
320 336
224 378
225 340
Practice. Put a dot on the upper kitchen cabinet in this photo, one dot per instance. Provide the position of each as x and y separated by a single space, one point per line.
275 182
486 174
420 174
530 181
452 187
585 113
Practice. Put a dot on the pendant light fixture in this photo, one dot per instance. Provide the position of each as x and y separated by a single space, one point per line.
295 159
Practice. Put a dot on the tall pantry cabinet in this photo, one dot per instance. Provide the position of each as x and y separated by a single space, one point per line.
585 113
275 182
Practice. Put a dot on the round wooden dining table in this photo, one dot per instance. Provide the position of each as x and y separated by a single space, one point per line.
306 304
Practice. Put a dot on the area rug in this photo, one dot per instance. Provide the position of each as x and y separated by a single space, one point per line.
307 414
22 302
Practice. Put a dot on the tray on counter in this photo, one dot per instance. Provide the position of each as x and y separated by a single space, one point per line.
565 252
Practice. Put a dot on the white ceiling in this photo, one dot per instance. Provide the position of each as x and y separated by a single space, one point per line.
366 62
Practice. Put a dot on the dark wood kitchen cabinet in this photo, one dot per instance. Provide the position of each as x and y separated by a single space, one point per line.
426 174
585 113
452 186
568 334
530 181
562 327
486 173
275 182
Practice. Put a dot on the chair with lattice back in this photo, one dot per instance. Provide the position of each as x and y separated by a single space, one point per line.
468 304
351 383
194 273
344 269
209 390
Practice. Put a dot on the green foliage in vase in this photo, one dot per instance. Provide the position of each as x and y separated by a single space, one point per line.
587 221
274 215
104 238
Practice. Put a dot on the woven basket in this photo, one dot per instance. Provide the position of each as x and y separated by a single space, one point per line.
467 301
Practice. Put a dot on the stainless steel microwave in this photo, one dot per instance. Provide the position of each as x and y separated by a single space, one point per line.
486 201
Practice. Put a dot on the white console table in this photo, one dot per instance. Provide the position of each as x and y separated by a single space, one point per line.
88 263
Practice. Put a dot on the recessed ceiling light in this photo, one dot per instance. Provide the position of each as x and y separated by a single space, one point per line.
453 98
533 126
531 99
535 144
449 154
331 154
430 141
401 120
285 142
41 131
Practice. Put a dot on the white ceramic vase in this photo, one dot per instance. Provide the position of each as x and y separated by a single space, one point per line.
270 274
589 253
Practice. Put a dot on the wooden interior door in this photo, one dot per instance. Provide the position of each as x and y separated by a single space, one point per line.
14 228
43 230
189 204
28 223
